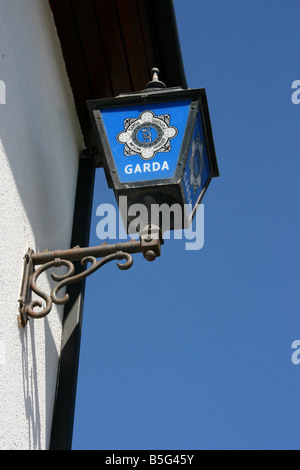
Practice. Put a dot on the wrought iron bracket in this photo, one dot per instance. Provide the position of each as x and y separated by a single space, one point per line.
37 263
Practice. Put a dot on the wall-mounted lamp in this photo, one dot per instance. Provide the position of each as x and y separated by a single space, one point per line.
157 148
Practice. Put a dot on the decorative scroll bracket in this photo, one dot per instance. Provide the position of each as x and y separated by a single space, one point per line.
149 244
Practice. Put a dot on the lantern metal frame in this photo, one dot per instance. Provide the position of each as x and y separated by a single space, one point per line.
169 186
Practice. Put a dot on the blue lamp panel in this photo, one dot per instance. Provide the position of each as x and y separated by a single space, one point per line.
197 170
145 140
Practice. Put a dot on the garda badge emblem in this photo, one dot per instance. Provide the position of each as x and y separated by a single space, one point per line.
147 135
196 163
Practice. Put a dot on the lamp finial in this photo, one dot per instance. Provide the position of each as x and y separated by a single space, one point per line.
155 82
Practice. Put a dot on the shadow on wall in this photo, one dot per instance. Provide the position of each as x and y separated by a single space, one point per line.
44 175
40 133
32 389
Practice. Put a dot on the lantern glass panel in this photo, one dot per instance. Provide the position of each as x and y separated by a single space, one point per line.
197 172
145 140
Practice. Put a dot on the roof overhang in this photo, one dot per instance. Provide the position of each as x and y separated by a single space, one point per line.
110 47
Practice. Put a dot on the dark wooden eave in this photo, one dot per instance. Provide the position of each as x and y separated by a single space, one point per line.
110 47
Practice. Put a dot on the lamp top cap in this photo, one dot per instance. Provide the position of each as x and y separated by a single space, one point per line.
155 82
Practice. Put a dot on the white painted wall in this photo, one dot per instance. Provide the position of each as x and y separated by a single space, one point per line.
40 140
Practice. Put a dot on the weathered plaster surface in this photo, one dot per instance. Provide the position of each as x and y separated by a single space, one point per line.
39 144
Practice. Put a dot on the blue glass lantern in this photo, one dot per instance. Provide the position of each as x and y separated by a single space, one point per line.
157 147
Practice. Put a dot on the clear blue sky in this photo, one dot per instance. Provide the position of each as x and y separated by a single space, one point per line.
194 351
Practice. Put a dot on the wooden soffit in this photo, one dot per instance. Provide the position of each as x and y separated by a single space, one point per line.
110 47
